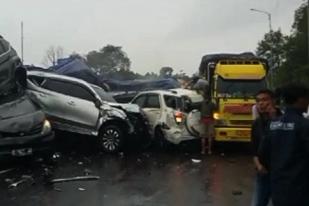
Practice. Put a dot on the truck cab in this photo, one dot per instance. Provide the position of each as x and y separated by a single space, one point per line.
234 80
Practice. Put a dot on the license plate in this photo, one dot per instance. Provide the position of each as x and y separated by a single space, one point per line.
243 133
21 152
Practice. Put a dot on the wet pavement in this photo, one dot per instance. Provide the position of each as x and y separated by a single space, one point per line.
177 177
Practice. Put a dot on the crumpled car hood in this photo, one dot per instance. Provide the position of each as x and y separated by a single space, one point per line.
128 107
19 116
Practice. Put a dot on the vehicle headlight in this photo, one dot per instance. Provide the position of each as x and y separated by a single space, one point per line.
218 119
216 116
46 127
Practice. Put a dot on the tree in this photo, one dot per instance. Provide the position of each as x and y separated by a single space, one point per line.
166 72
273 48
288 54
151 75
296 66
52 55
109 59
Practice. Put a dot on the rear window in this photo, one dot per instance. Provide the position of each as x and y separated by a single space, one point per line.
173 102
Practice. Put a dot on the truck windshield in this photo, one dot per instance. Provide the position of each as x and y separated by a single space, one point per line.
239 88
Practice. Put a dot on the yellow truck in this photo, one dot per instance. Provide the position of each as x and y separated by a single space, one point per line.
234 79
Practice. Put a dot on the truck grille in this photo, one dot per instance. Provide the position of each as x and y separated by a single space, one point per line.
241 122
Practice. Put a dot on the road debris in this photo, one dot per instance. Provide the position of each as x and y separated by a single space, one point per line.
57 189
237 192
47 174
8 180
57 155
196 160
80 163
25 178
6 171
78 178
81 189
87 172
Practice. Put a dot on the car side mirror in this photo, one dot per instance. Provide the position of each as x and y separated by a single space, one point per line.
97 103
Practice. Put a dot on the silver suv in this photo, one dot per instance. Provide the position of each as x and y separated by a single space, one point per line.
72 105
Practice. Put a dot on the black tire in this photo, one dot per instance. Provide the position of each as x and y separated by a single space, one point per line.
111 138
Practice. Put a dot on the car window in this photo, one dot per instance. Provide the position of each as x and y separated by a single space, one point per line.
140 101
36 80
173 102
67 88
152 101
81 92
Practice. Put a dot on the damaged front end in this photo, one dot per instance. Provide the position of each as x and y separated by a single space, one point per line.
137 118
23 128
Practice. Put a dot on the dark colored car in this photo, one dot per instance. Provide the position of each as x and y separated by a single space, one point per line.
24 129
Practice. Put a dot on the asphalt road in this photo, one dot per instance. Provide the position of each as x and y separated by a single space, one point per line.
177 177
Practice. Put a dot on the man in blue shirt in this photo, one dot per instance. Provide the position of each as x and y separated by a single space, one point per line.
285 151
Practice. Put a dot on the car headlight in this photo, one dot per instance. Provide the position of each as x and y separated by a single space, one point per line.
46 127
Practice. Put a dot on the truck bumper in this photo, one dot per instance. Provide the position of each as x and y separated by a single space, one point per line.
230 134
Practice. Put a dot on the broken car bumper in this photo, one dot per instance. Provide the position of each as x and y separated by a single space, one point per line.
26 145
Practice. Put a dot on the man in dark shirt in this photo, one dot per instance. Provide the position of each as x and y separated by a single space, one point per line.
265 105
286 150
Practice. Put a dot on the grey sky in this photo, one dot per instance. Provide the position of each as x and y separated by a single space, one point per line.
157 33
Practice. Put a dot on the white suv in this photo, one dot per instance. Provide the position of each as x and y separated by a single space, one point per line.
167 117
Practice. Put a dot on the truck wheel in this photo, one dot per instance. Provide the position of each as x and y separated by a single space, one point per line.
111 138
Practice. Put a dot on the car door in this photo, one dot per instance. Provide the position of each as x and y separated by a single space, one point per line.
48 94
83 110
70 105
150 104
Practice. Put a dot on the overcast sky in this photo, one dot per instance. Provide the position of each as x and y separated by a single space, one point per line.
158 33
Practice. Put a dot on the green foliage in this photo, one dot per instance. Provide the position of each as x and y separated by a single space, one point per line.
272 48
151 75
288 54
166 72
109 59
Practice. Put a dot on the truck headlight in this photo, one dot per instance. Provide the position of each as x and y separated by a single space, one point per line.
216 116
46 127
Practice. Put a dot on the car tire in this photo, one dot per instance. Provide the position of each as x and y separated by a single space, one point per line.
111 138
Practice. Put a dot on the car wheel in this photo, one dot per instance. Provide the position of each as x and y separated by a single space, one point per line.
111 138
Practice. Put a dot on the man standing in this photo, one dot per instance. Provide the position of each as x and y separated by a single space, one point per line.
207 111
265 106
286 150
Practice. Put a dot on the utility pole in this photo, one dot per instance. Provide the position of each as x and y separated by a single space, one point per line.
22 42
268 15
